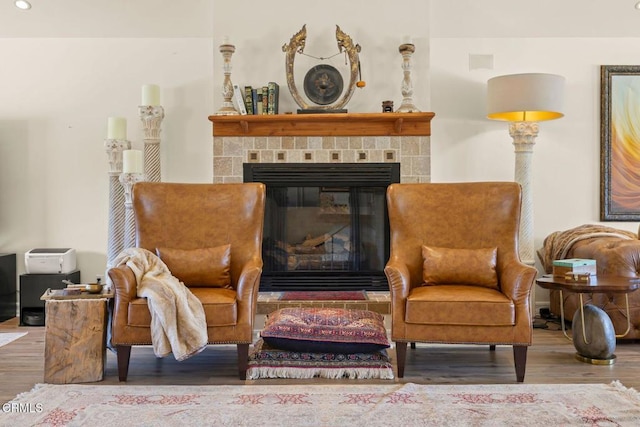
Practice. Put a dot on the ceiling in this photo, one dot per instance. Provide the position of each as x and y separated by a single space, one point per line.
108 18
194 18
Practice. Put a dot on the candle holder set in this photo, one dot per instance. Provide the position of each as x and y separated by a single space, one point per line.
126 167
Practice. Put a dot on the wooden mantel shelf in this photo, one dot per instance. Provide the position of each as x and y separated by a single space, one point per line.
338 124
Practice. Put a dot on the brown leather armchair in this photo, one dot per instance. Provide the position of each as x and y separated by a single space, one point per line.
191 217
454 271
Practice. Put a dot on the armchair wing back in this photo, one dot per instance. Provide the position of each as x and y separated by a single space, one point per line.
191 222
454 271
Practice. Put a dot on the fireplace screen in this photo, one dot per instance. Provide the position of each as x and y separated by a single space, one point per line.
326 225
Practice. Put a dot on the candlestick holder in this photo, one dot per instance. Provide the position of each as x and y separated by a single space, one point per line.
128 180
151 117
407 105
115 232
227 108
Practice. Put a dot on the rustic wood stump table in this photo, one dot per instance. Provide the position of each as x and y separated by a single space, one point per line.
75 336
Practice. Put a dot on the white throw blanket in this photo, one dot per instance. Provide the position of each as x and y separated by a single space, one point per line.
178 322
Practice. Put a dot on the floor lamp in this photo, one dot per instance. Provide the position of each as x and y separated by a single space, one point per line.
523 100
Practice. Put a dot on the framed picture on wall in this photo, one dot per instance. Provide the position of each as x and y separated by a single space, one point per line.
620 143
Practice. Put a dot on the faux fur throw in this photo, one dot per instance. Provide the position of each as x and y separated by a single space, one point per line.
559 243
178 322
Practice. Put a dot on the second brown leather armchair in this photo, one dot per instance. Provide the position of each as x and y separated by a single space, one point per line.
454 271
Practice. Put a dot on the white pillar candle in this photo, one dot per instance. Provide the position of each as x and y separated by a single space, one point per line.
117 128
407 40
132 161
151 95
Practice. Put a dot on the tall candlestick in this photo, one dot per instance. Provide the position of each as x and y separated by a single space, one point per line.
407 106
132 161
227 108
117 128
150 95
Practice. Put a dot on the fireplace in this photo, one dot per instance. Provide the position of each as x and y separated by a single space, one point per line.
326 224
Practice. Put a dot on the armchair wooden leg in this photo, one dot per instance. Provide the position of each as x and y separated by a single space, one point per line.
520 360
123 353
243 360
401 355
492 347
413 346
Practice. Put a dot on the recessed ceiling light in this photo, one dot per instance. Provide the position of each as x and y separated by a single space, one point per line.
22 4
638 5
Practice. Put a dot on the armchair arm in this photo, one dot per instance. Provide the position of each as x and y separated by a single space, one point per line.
124 288
247 285
399 279
516 281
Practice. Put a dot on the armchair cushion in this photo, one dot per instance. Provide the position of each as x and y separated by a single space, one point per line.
205 267
460 266
325 330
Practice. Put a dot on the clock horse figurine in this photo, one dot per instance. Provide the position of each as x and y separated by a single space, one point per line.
323 83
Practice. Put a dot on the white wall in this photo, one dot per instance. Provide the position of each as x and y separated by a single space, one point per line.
57 94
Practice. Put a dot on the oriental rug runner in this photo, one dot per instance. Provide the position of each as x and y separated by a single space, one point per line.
7 337
323 296
326 405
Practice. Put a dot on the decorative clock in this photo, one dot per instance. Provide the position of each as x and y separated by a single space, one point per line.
323 83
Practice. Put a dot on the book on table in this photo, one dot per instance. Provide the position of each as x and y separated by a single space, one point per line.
561 267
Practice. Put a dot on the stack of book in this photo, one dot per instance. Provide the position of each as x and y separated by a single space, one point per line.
574 266
259 100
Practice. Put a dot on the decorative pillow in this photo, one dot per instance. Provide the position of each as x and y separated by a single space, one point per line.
267 362
205 267
460 266
325 330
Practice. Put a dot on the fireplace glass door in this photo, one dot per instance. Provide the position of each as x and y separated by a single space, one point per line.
325 233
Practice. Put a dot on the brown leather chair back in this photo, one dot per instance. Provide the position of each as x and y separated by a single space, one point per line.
193 216
469 215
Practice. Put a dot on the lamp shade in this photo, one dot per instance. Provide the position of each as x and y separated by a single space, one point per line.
530 97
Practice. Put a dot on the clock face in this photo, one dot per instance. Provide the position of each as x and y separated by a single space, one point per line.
323 84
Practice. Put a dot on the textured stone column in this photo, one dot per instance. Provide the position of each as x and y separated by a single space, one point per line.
128 180
151 117
115 232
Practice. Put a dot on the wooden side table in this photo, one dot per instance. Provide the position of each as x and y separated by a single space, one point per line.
599 284
75 336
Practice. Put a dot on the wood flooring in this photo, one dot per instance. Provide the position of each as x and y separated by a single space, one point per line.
550 361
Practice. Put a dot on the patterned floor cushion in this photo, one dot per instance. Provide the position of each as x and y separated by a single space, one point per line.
325 330
267 362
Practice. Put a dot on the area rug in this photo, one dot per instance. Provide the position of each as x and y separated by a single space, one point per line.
326 405
7 337
267 362
323 296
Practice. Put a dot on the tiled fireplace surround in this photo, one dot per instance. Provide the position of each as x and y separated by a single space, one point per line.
359 138
230 152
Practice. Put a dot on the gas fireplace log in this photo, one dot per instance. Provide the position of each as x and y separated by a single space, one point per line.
315 241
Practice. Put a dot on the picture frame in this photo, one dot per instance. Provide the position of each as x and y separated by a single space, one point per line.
620 143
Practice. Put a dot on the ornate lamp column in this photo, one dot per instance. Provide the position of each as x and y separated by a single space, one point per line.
523 100
524 138
407 106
